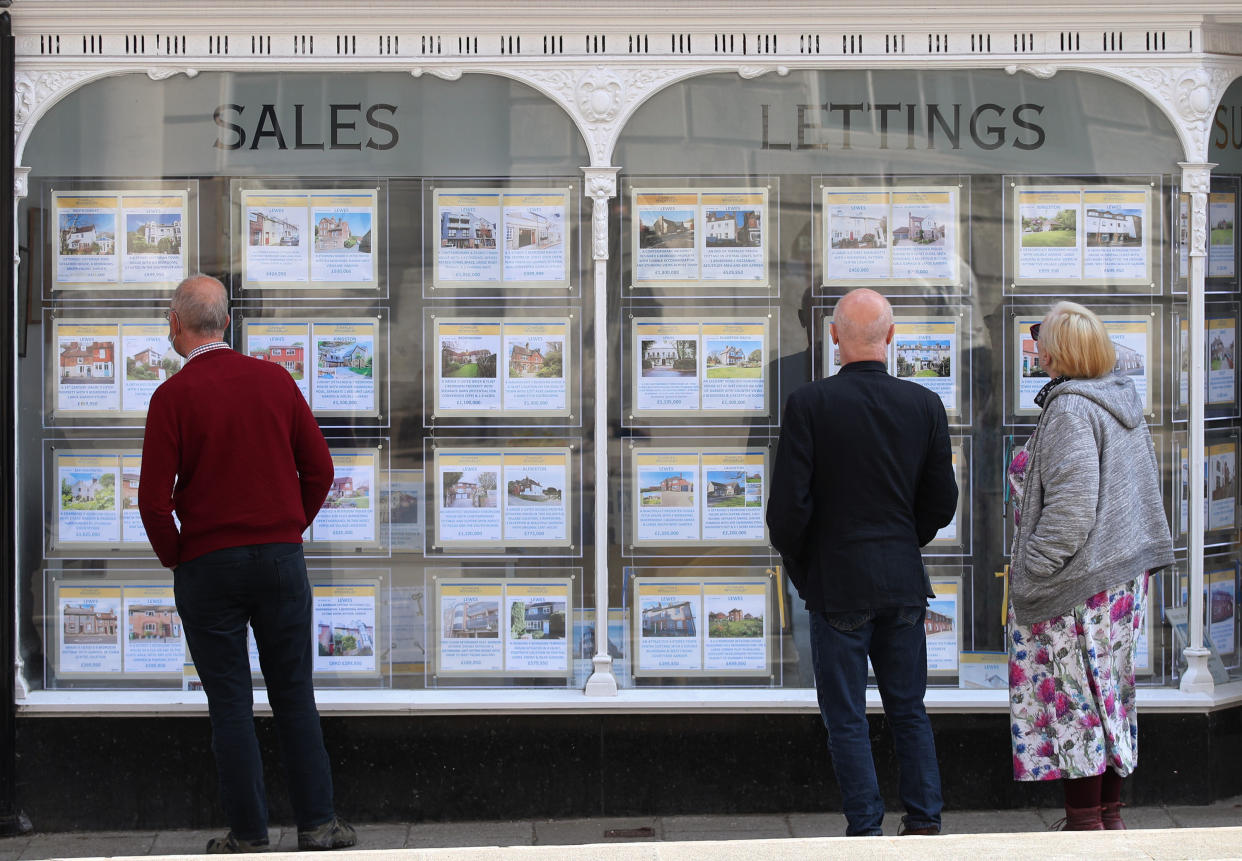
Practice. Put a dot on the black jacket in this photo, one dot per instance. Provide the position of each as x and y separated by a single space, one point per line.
863 479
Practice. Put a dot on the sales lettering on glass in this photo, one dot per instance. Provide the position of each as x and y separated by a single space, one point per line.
838 125
340 126
1227 127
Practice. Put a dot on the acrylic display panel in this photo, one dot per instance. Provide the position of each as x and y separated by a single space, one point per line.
931 347
507 370
954 539
490 497
689 499
711 368
499 239
403 511
350 627
503 238
337 357
124 238
943 623
91 500
700 236
349 520
708 626
102 370
1079 234
1137 335
1220 337
903 235
309 239
486 628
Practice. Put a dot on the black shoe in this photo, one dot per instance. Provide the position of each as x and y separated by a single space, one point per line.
229 844
927 831
333 834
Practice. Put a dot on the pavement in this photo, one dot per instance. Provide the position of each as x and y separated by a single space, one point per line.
1157 832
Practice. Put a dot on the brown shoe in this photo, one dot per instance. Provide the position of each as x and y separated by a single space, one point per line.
925 831
1079 819
1110 815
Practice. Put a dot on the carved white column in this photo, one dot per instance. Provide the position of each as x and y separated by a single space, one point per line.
21 188
1196 181
601 187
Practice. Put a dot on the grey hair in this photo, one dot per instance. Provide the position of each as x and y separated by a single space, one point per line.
201 311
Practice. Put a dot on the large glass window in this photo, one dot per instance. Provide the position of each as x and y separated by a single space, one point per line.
974 200
416 253
411 251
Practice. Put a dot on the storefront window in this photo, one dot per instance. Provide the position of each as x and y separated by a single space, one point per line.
411 251
974 200
417 254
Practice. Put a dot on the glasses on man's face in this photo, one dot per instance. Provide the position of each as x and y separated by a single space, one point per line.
1035 330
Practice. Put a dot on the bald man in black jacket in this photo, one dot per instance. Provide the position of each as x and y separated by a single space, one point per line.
864 478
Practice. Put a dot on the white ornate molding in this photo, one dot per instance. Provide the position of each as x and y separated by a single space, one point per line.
1042 71
601 98
21 183
35 91
448 73
1197 182
21 689
749 72
161 73
601 186
602 682
1188 92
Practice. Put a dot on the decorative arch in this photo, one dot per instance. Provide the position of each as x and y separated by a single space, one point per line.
1187 93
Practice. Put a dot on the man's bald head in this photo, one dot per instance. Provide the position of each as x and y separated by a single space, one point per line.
863 324
202 305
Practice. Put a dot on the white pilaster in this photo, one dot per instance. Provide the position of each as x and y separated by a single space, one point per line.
601 187
21 188
1196 181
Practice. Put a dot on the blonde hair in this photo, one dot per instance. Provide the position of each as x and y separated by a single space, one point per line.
1076 342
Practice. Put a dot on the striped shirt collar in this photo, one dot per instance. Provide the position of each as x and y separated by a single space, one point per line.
206 348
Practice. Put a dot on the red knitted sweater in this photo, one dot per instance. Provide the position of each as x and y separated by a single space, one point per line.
232 447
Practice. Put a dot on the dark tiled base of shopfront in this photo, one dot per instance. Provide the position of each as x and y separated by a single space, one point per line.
154 773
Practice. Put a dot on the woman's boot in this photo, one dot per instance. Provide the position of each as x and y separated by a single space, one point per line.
1110 815
1082 819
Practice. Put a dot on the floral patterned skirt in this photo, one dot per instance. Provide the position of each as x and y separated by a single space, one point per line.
1071 688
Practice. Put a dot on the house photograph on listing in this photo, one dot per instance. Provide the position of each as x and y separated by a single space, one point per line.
272 227
87 362
87 234
342 357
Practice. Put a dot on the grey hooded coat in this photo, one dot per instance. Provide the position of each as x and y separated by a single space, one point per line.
1092 514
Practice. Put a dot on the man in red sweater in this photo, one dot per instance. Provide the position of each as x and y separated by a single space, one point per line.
232 447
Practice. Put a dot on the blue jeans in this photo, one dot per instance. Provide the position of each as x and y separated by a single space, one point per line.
217 594
897 645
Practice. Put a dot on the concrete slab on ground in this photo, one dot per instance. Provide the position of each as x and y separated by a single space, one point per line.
1226 812
749 827
571 832
86 844
437 835
1156 833
816 824
990 821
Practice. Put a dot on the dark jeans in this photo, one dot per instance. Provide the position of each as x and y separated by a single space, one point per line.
897 644
217 594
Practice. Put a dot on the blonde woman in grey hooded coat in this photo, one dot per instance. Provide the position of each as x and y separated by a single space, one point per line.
1090 529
